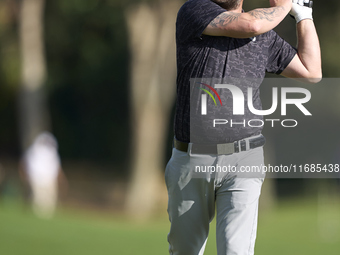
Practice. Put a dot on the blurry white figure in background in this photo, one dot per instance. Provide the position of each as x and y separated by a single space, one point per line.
41 168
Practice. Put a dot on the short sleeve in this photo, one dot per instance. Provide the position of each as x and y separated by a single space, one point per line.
194 16
280 53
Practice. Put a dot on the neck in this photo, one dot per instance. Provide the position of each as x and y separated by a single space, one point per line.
228 5
237 10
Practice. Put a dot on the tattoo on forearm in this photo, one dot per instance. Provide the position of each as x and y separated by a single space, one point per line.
268 14
229 17
225 19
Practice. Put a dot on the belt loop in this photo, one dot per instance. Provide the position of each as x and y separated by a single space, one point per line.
189 149
247 144
239 145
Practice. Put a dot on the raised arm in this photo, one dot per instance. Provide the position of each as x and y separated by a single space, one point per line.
307 62
249 24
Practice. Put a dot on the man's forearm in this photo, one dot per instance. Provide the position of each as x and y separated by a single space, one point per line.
307 62
309 48
248 24
268 18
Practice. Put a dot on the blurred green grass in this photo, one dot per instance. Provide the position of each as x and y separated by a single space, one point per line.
293 227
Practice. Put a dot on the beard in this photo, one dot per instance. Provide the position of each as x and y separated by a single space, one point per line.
228 4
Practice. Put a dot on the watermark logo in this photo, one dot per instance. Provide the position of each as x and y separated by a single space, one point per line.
279 98
239 99
204 97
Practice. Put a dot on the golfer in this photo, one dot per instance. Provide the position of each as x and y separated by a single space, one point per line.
216 39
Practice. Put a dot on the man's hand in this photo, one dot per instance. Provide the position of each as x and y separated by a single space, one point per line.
302 9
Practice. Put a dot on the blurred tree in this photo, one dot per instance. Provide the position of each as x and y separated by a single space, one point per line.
33 114
88 60
151 26
9 77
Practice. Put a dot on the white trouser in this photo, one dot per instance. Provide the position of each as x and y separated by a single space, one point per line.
192 201
44 198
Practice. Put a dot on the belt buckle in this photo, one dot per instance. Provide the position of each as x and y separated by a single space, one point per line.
225 148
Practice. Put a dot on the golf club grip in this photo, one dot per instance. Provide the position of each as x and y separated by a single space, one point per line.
310 4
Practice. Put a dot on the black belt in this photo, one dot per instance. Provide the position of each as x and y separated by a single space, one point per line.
223 148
